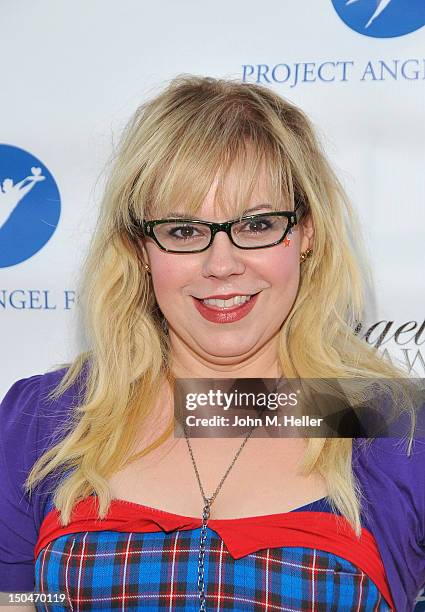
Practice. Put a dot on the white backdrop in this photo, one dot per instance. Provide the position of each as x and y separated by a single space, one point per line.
72 73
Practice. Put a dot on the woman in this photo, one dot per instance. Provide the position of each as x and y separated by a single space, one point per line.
120 512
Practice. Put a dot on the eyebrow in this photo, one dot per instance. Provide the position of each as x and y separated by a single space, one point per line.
258 207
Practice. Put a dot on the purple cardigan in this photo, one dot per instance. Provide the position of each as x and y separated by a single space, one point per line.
392 483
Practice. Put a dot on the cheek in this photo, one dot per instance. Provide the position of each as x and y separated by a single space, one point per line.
284 278
282 266
165 281
287 287
168 274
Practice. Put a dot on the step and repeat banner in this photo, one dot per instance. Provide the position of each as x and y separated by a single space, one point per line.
73 72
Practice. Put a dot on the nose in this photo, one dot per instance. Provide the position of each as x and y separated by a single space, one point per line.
222 258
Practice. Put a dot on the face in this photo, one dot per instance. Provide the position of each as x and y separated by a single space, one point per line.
216 334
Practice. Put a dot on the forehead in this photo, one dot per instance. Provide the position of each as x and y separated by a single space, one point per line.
221 187
222 201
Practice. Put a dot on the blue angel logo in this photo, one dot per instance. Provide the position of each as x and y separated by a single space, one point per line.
381 5
381 18
29 205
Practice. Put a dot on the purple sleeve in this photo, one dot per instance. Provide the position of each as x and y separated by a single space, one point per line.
393 485
18 452
30 424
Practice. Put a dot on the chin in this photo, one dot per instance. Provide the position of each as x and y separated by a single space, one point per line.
226 352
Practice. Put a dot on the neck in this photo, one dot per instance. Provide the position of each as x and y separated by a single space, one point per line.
261 362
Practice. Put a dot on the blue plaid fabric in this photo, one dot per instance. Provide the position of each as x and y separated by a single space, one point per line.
108 570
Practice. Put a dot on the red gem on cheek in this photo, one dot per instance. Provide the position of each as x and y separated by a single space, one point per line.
287 242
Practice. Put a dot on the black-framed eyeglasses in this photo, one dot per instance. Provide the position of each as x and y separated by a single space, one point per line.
257 231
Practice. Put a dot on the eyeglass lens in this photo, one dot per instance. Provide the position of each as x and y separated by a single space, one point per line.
251 233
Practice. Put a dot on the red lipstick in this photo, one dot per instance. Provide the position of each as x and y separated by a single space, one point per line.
217 314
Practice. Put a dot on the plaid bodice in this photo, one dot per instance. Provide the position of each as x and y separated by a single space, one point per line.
141 558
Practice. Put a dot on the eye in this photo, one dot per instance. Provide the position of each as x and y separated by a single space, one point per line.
255 226
184 232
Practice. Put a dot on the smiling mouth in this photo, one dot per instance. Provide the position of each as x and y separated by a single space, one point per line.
229 304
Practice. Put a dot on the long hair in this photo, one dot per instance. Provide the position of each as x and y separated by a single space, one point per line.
173 147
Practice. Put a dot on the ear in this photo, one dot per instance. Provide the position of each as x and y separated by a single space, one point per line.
307 232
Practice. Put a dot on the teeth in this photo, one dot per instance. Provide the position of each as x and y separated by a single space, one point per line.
237 300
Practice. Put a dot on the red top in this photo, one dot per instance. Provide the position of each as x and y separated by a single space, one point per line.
242 536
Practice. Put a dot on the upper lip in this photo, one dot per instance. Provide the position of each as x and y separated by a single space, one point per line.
223 297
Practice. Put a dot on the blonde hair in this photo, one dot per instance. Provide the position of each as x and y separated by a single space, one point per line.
171 150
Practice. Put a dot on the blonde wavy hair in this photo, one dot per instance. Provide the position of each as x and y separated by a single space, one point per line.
171 150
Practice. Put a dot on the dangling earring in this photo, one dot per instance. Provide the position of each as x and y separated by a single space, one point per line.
147 268
305 254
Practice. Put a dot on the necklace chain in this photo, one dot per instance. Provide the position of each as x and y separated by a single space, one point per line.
206 514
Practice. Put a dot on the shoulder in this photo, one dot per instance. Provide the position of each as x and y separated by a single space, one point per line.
28 416
397 455
392 486
28 422
386 470
393 458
